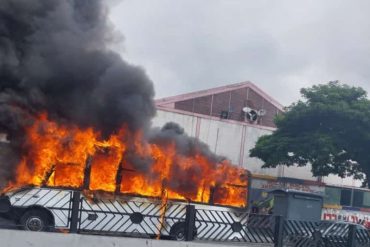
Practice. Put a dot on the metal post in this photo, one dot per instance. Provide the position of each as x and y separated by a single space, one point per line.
75 210
87 172
351 236
190 222
119 177
279 230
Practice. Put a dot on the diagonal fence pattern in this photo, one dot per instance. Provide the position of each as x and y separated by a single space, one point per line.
228 225
131 218
324 234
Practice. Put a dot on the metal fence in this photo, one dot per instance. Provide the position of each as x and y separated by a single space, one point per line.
130 218
201 223
323 234
217 225
173 220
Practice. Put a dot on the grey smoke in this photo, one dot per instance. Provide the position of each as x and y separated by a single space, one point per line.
8 156
184 178
185 145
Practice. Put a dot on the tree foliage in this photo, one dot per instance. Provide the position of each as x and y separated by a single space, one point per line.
330 129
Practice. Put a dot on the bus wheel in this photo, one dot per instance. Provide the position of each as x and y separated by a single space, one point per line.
177 231
35 220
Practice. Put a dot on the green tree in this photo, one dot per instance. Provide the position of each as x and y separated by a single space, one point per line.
330 129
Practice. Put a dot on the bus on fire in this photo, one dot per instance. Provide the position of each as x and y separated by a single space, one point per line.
115 213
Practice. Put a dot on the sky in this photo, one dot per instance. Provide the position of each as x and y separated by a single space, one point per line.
281 46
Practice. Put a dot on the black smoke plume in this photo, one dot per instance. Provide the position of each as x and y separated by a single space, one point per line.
54 58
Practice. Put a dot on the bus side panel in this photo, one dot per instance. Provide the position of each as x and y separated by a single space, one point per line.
58 202
129 217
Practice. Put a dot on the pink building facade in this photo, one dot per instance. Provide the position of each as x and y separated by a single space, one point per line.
216 117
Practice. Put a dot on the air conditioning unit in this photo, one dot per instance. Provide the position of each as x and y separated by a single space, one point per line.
224 115
252 115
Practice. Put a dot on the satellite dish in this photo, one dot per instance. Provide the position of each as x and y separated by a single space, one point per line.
252 115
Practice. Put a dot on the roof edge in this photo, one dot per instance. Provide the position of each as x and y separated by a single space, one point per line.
172 99
172 110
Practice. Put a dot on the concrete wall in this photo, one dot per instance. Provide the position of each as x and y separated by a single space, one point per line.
234 139
14 238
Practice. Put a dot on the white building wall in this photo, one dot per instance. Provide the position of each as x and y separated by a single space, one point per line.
335 180
185 121
298 172
234 140
223 138
254 165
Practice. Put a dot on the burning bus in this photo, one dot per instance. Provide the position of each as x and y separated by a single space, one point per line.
49 209
69 179
114 213
78 119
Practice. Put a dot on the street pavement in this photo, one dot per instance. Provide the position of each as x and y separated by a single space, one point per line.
11 238
8 224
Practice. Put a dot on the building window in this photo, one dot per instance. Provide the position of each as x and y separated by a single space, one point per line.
332 196
358 198
345 197
361 198
366 203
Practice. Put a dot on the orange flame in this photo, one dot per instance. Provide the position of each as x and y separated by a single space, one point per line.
70 157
